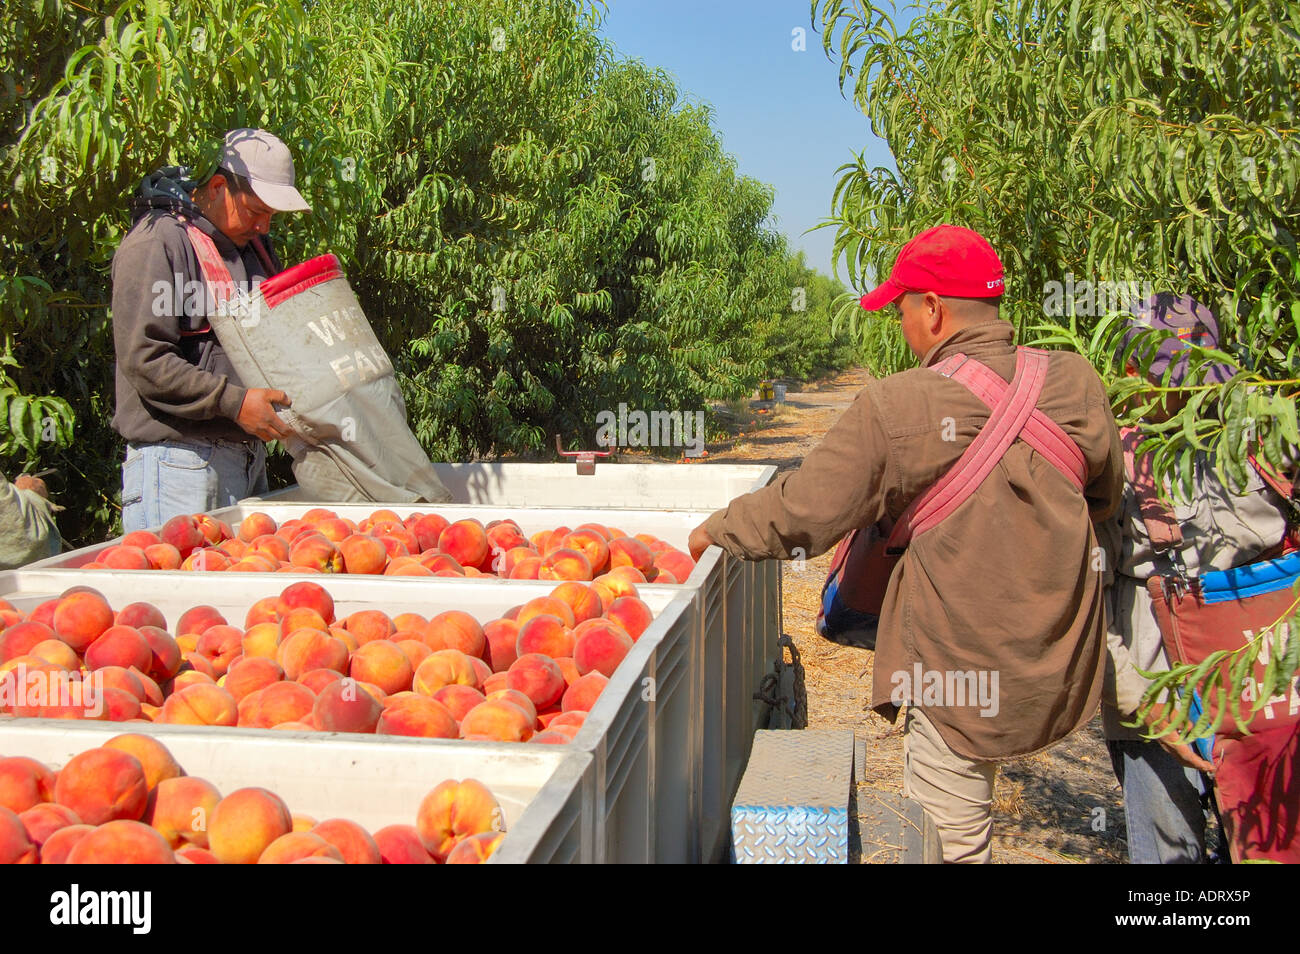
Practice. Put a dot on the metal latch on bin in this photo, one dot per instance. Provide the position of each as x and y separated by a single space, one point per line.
585 459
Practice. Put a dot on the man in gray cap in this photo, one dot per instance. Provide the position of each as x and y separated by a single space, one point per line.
194 434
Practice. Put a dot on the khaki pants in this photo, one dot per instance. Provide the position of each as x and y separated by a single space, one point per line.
957 793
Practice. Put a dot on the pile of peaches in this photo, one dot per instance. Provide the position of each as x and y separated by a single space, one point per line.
130 802
422 544
530 676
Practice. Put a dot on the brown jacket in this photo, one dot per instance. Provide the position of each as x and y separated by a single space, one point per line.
1007 592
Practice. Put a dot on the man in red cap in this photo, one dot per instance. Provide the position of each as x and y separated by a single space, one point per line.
1005 594
194 434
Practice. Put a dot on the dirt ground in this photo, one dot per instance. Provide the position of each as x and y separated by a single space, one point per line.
1058 807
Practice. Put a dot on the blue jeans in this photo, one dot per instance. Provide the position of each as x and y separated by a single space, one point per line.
161 481
1162 804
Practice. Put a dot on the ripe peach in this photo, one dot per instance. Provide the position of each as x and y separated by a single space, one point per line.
632 614
582 694
564 563
154 757
316 552
401 845
278 703
296 845
418 716
458 699
369 625
497 720
344 706
455 810
191 677
545 634
679 564
569 668
407 566
303 822
537 677
515 697
272 547
245 823
363 554
128 680
318 679
140 538
352 841
81 618
306 595
60 843
546 605
308 649
261 640
250 675
601 645
302 618
57 653
592 545
200 704
581 598
163 556
179 810
415 650
443 668
21 638
220 645
548 737
456 630
502 636
102 785
206 559
466 541
122 842
24 783
164 653
43 820
476 849
184 534
428 529
527 568
140 614
255 525
119 646
196 619
494 682
383 663
265 610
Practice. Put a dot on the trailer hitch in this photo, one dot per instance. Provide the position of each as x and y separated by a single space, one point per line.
585 459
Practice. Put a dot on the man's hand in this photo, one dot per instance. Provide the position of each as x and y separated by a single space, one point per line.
699 542
258 417
1158 719
34 484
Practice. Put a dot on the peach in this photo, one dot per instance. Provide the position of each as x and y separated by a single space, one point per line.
548 605
278 703
363 554
183 533
511 558
628 551
581 598
441 564
629 574
200 704
140 614
538 677
118 706
163 556
43 820
179 810
383 663
261 640
103 785
344 706
675 562
552 541
545 634
140 538
601 644
318 679
502 637
458 699
409 621
245 823
466 541
57 653
428 529
271 547
476 849
415 650
494 682
528 568
255 525
213 530
306 595
335 529
456 630
564 563
194 855
568 730
352 841
44 613
443 668
115 677
582 695
401 845
154 757
418 716
369 625
632 614
483 670
235 549
549 737
515 697
165 653
119 646
81 618
220 645
250 675
407 566
265 610
196 619
303 822
498 721
592 545
569 668
190 677
24 783
316 552
308 649
504 536
455 810
296 845
122 842
21 638
302 617
60 843
206 560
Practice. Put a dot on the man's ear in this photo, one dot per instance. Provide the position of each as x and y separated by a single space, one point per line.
934 317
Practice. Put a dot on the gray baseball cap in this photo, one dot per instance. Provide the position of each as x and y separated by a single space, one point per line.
266 163
1192 323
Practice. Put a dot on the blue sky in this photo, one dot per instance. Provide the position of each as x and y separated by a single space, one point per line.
778 110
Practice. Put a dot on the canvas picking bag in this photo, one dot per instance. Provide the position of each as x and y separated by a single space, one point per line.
303 332
864 561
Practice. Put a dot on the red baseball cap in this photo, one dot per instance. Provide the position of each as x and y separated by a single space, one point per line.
946 260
